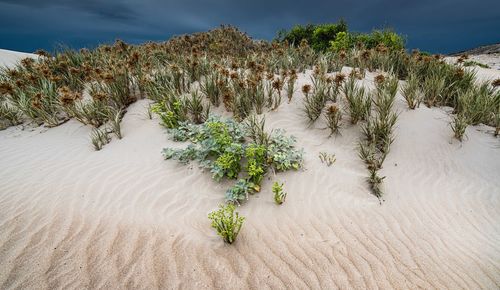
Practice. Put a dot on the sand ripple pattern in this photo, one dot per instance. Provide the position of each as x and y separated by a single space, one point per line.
72 218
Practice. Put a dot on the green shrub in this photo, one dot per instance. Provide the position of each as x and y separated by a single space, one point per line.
342 41
226 222
297 34
318 36
324 33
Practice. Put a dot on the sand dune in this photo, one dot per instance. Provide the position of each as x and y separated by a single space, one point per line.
9 58
122 217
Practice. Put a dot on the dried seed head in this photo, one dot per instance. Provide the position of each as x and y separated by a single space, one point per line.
339 79
6 88
333 109
306 89
379 79
42 52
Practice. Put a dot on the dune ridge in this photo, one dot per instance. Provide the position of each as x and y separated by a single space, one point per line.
123 217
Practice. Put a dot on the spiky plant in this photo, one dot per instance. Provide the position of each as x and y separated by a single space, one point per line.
433 88
255 130
115 117
10 114
459 125
411 92
277 85
375 183
333 117
290 84
213 86
99 138
359 104
313 104
194 106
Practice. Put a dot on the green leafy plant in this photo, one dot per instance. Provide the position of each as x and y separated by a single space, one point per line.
240 191
171 112
281 152
256 162
228 163
227 222
279 194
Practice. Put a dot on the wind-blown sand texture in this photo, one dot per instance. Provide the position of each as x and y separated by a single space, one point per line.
122 217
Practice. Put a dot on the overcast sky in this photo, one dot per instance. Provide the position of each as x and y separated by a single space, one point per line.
432 25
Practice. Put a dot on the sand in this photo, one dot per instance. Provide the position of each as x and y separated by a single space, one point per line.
123 217
9 58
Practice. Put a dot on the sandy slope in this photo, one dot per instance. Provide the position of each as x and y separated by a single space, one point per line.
122 217
9 58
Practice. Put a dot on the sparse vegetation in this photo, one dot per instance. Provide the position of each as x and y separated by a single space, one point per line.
222 146
326 158
99 138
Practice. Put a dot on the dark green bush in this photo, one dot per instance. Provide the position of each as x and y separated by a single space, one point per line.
317 35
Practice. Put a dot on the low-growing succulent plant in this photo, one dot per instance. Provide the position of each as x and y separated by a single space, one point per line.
240 191
281 152
227 222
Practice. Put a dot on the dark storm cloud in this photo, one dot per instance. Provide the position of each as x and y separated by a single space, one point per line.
438 25
108 9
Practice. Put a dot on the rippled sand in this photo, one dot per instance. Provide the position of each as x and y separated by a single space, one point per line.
122 217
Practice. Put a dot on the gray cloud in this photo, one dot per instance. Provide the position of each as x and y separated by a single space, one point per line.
438 25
